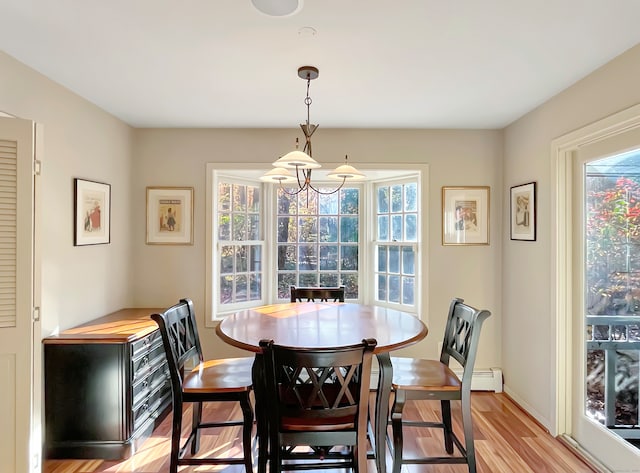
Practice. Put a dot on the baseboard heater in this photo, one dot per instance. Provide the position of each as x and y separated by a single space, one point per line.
485 379
482 380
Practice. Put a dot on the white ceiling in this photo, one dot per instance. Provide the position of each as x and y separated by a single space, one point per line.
383 63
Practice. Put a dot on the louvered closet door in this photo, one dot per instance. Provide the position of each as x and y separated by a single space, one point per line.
16 292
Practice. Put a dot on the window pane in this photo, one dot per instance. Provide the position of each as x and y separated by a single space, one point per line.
254 227
307 203
256 258
328 204
239 198
382 258
224 227
226 259
411 227
308 228
329 279
383 199
396 227
253 199
396 198
224 197
350 282
307 258
241 288
241 259
411 197
285 281
328 229
394 288
394 259
407 291
383 228
287 229
286 203
382 287
308 279
328 257
255 291
286 257
349 203
239 227
226 289
408 260
349 259
348 229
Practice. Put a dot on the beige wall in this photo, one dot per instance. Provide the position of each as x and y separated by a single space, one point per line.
163 157
528 361
80 140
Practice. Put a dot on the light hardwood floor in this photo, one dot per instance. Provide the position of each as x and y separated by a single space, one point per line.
507 441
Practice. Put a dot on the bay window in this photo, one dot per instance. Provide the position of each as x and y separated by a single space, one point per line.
263 239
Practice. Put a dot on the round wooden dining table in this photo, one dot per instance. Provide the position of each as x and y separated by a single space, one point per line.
330 324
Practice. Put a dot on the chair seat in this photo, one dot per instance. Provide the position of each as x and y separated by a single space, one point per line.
218 376
413 374
316 425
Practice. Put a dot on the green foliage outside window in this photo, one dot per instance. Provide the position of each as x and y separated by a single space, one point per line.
318 237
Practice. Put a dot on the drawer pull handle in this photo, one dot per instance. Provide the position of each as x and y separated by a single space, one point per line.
145 383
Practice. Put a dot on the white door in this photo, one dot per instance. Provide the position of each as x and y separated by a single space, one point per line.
597 289
17 294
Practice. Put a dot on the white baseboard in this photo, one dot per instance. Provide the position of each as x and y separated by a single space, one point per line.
525 406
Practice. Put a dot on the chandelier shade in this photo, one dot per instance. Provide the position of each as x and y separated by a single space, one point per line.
278 174
302 160
297 159
346 171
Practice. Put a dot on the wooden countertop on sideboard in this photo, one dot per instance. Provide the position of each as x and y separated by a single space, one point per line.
121 326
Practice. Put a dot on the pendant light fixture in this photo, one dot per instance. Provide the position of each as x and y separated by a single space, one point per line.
302 160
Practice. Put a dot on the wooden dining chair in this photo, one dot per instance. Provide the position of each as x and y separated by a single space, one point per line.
217 380
317 398
434 380
320 294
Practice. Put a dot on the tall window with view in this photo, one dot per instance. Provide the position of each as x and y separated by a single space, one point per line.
612 292
396 242
318 240
240 244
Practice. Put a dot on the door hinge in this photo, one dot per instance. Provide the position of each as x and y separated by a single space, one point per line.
36 314
37 167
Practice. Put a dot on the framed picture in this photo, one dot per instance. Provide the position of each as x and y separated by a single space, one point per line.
465 215
92 212
170 215
523 212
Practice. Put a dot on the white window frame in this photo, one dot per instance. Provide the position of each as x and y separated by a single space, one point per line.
415 245
378 173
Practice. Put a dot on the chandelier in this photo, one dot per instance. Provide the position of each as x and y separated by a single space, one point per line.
302 161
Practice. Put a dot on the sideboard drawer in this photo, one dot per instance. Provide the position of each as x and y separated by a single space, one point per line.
144 387
147 361
149 406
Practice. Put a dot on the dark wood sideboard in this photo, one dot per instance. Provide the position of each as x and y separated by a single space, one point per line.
106 386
